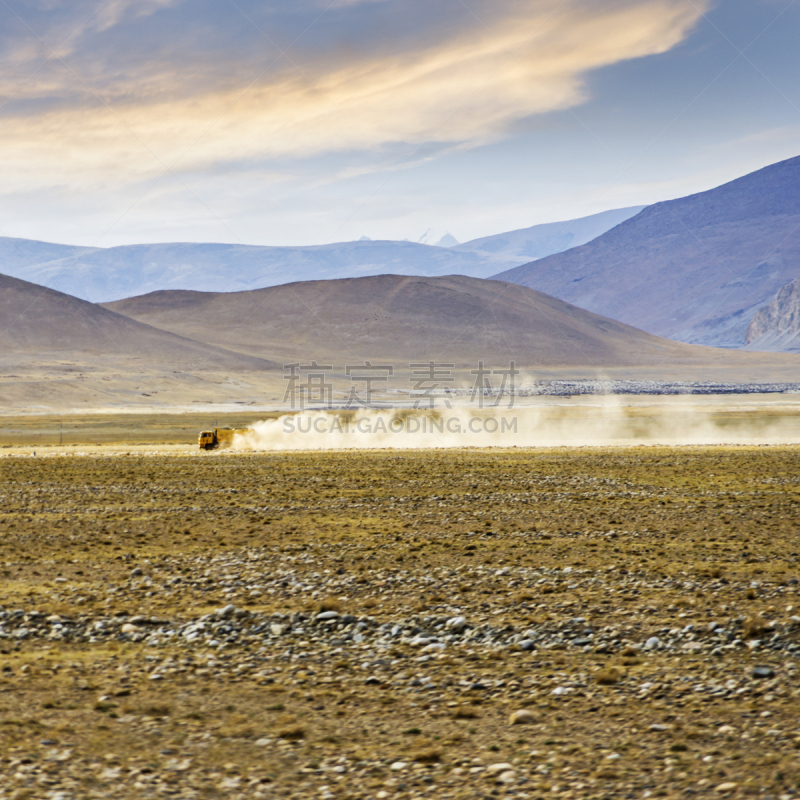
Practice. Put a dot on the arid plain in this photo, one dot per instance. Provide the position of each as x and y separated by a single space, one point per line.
585 622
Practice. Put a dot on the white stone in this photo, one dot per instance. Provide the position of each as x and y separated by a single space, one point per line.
509 776
502 766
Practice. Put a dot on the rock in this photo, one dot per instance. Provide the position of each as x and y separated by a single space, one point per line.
724 788
456 624
509 776
276 629
228 611
128 628
521 717
658 728
137 572
372 680
324 616
527 645
723 729
58 755
779 320
398 765
500 767
761 673
652 643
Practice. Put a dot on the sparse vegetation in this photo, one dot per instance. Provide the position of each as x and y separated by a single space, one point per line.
637 604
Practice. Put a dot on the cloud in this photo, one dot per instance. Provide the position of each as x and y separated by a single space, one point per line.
112 12
466 83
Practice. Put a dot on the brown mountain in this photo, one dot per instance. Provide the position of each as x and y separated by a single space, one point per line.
42 326
404 319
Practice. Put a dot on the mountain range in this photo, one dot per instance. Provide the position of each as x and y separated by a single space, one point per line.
695 269
529 244
715 268
404 319
186 348
106 274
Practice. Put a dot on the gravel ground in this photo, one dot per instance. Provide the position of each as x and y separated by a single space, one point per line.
464 624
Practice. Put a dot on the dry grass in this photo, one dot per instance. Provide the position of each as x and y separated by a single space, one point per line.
657 539
609 676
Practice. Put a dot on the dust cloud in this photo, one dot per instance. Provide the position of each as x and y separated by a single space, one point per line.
602 422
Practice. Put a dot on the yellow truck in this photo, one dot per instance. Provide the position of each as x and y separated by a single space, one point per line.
218 437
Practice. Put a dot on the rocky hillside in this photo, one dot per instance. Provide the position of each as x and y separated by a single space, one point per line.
777 326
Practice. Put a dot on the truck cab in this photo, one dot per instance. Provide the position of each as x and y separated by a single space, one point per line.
208 440
219 437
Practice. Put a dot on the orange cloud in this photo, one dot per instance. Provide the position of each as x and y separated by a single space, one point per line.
467 89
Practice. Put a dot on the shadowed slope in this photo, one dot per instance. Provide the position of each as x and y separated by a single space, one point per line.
40 324
693 269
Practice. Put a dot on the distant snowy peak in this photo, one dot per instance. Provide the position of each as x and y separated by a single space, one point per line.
438 238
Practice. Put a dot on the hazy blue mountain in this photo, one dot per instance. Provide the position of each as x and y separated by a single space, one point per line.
110 274
539 241
24 258
105 274
694 269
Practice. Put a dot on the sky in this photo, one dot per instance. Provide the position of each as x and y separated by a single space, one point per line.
303 122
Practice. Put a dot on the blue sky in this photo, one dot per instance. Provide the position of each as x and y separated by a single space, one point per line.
313 121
